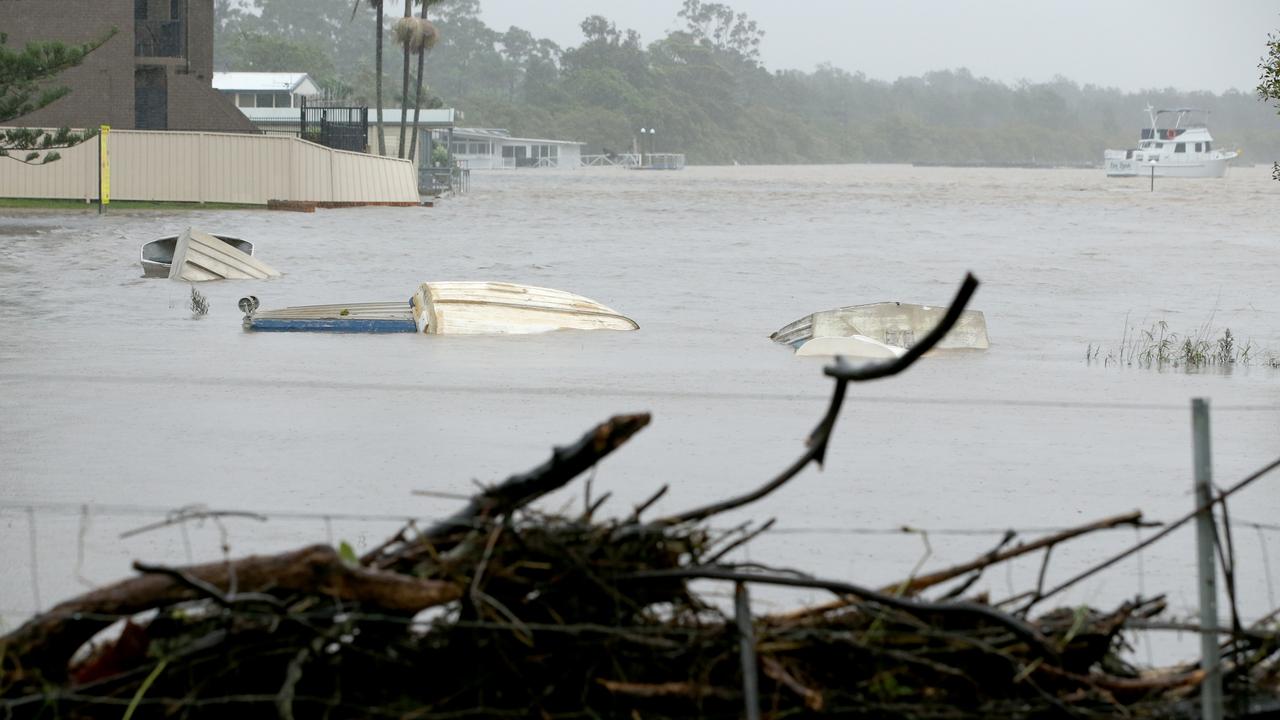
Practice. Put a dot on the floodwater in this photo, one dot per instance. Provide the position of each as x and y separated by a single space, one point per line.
113 397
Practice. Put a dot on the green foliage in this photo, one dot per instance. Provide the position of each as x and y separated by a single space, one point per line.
439 156
24 88
717 26
263 52
348 553
1269 82
36 147
703 88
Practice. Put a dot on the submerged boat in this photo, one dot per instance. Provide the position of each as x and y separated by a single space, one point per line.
199 256
1174 145
879 330
157 256
449 308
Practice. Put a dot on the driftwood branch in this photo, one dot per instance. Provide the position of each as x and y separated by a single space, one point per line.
915 585
519 490
666 690
48 641
1219 498
955 608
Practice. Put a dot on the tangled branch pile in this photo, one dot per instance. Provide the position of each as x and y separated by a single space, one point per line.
504 611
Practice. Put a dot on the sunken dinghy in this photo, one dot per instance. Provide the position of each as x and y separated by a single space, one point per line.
156 256
879 330
449 308
199 257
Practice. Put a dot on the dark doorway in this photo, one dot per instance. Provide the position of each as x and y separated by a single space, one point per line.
150 99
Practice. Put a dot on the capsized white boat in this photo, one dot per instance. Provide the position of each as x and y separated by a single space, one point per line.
156 256
1181 148
199 256
879 330
448 308
482 308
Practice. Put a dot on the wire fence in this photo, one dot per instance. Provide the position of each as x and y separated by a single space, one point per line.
146 519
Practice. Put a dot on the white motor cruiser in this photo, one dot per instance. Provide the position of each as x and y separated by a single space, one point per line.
1182 148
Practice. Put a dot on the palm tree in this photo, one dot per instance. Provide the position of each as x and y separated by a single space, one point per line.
377 62
404 80
423 40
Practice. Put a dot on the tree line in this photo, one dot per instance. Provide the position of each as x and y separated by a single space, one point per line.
708 95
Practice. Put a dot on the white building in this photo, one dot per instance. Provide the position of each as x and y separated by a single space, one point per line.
266 89
433 124
491 148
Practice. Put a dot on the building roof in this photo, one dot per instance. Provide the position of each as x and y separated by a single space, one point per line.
260 81
440 118
499 134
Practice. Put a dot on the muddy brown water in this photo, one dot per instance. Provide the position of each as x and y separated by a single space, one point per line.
113 397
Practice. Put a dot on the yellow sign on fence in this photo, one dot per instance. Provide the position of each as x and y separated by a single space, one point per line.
104 166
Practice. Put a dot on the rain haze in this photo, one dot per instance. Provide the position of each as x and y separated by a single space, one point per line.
1197 45
491 362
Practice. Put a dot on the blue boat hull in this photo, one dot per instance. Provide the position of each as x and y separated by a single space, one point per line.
332 325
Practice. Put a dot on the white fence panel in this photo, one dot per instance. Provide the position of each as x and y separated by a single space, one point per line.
214 167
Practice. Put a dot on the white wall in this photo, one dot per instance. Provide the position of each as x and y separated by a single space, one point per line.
215 167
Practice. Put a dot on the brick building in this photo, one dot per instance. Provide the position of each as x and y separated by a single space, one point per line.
155 73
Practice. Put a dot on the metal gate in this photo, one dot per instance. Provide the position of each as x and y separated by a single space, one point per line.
341 128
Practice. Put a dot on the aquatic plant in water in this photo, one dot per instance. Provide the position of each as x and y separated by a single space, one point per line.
1160 348
199 303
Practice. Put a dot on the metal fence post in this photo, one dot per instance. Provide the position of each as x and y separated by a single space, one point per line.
1210 659
747 646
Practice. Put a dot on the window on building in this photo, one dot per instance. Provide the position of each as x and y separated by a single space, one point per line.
1199 147
139 9
245 99
459 148
508 151
1206 147
1180 147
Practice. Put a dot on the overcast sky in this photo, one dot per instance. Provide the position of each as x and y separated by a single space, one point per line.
1130 44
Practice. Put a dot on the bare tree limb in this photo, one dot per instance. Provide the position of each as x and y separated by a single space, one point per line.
515 492
1222 496
958 608
913 586
47 641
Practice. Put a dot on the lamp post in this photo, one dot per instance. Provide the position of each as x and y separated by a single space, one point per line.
651 133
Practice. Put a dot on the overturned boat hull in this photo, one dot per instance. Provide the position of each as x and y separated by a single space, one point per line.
200 257
449 308
156 257
489 308
879 330
376 317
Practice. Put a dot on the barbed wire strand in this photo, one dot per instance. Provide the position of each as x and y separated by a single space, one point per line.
54 508
636 393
